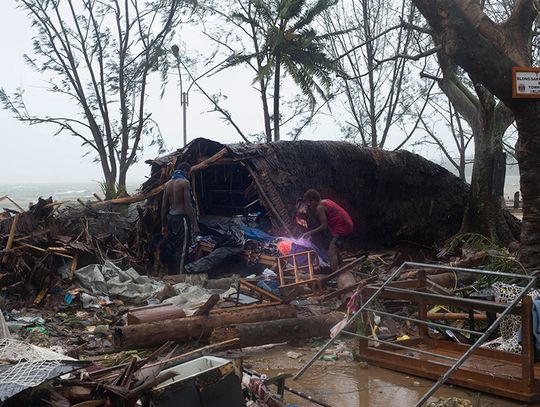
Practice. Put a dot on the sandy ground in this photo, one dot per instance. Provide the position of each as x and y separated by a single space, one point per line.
347 383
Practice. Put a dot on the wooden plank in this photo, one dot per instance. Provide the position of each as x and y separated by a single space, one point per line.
13 202
346 290
209 161
73 266
41 295
455 347
270 296
527 343
467 376
40 249
195 327
11 236
267 200
455 316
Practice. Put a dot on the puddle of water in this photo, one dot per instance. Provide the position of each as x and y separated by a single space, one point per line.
344 384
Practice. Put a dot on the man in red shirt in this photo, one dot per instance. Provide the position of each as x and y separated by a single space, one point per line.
333 218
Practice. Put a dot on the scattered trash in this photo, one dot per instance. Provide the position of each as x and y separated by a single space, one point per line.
293 355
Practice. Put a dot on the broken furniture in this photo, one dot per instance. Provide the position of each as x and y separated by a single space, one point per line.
501 373
298 269
248 288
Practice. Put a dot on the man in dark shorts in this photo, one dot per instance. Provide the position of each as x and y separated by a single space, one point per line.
178 220
333 218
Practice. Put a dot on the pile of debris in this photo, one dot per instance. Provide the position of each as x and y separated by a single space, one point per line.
87 280
42 247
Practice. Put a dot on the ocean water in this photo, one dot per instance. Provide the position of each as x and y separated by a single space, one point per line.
26 194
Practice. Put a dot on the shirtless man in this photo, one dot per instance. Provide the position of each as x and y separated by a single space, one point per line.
178 220
333 218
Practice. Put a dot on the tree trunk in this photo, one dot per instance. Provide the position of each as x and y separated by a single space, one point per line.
283 330
485 213
527 114
277 85
122 178
185 329
109 188
266 112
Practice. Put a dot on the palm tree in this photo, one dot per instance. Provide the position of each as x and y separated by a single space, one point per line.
291 45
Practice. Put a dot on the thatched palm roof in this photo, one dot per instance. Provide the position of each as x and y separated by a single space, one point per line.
391 196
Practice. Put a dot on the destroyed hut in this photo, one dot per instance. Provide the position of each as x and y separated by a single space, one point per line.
391 195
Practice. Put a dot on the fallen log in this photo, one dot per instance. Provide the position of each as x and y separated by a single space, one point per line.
283 330
154 313
195 327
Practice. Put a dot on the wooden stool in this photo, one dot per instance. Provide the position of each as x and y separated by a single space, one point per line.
291 265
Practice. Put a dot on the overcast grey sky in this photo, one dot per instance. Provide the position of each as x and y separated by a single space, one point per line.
31 154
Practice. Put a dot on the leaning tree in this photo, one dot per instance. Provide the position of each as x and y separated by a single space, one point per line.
487 50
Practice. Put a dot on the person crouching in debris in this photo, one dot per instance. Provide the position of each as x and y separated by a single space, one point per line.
178 220
333 218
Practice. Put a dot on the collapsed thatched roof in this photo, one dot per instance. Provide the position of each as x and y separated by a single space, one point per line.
391 196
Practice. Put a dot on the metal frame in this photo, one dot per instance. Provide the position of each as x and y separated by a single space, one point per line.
386 286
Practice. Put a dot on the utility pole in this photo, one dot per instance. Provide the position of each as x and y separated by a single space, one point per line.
183 95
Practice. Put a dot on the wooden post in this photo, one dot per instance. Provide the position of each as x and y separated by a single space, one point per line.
516 200
527 343
11 236
281 272
363 344
422 310
295 269
73 266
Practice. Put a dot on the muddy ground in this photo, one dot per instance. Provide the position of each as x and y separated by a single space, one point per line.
349 383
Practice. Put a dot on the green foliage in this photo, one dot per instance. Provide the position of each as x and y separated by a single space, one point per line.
109 189
290 40
500 259
286 42
470 241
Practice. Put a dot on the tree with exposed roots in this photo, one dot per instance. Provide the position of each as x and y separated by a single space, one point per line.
487 51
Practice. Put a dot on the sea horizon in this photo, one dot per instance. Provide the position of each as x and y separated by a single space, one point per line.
25 194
